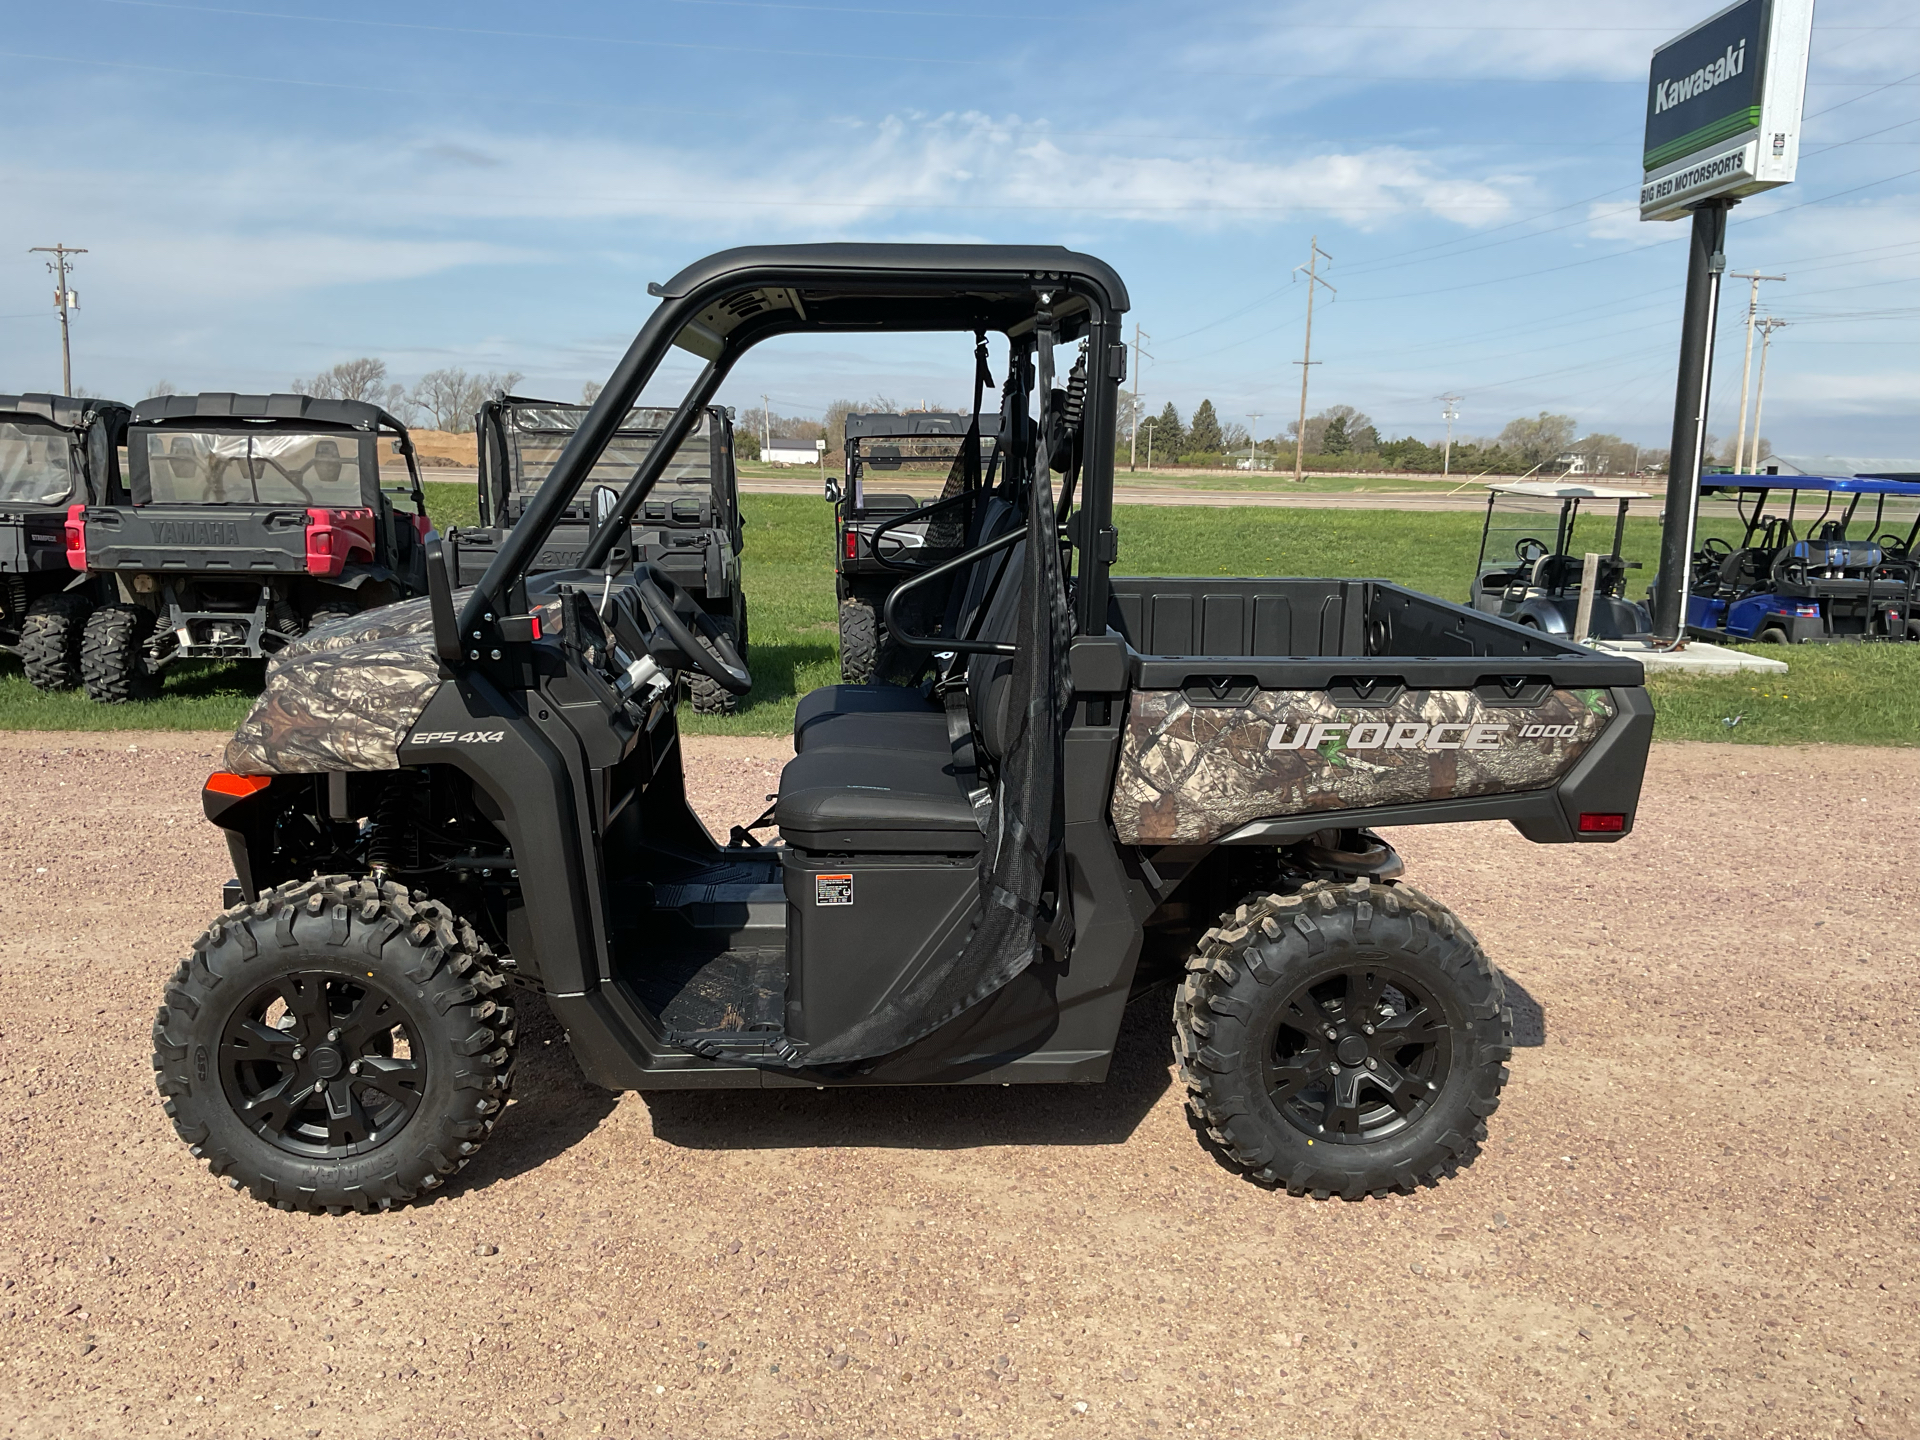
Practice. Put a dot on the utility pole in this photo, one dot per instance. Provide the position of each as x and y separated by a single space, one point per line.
63 301
1746 366
1768 325
1449 413
1306 360
766 428
1149 425
1133 447
1253 441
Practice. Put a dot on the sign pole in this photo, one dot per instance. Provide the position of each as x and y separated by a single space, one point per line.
1685 458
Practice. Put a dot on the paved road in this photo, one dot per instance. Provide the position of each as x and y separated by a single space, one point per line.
1440 499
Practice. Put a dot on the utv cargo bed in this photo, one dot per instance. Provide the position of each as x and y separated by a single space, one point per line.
1262 710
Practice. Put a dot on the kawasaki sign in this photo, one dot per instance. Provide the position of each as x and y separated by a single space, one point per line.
1723 107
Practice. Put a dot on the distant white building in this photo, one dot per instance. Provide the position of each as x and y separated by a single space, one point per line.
790 452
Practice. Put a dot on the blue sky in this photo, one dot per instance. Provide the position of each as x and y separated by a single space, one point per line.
268 186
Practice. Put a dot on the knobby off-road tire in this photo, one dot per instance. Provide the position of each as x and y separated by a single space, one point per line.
50 639
385 1002
709 696
1346 1040
113 663
860 626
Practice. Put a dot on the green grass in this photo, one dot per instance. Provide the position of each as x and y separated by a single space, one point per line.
1831 694
1843 694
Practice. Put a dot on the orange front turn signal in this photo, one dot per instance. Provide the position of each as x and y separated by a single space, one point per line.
223 782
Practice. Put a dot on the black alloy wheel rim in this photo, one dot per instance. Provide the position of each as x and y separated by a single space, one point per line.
322 1065
1359 1054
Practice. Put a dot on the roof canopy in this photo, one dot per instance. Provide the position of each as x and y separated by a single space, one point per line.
1832 484
293 409
66 411
851 287
1549 490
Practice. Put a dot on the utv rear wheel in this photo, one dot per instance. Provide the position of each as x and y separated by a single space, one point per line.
1773 635
709 696
50 640
113 662
859 639
1346 1040
335 1045
328 613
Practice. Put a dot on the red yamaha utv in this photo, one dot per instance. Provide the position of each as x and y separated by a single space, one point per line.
1114 790
246 521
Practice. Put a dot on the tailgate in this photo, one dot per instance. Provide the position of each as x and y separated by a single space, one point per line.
196 538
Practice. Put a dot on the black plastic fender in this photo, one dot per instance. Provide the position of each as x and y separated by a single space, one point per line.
469 725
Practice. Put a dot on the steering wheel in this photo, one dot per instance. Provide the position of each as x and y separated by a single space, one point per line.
1529 550
1714 545
680 635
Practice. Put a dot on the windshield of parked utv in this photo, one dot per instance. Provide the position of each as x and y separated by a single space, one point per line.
539 435
186 467
36 463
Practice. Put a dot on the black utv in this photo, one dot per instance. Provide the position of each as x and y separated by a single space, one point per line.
245 521
57 454
1117 789
689 525
882 536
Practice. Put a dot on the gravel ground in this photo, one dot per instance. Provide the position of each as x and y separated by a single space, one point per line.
1696 1215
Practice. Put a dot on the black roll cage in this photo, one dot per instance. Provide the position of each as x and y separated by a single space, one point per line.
720 307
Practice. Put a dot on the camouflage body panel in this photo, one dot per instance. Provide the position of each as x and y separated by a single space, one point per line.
341 698
1192 773
394 622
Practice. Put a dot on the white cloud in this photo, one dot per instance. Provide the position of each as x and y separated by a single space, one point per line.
924 173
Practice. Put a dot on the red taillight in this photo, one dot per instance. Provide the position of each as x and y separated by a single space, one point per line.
853 544
333 537
1591 824
76 528
223 782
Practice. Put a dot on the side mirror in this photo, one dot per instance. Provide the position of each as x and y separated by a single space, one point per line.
833 490
605 500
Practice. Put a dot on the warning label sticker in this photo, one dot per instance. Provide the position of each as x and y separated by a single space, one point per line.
833 889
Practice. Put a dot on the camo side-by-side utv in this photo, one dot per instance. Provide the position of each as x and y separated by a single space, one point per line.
245 521
1115 790
690 525
57 455
883 536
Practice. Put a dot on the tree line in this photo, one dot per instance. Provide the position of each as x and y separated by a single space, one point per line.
449 398
1342 437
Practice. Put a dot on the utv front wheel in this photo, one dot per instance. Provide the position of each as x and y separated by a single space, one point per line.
50 640
335 1045
1346 1040
709 696
113 661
